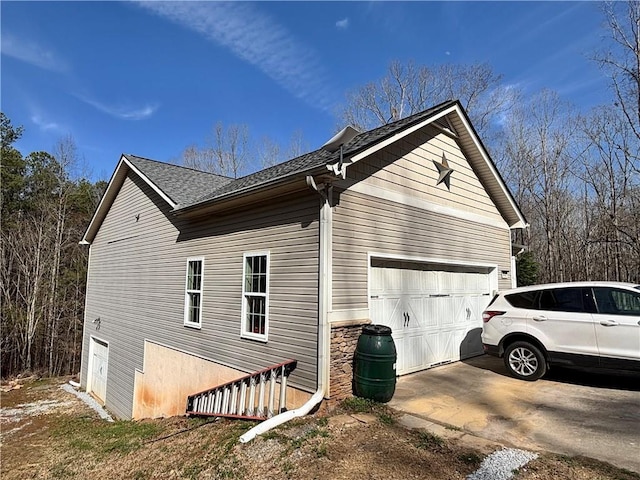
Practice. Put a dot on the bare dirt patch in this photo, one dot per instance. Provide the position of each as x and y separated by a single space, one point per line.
60 437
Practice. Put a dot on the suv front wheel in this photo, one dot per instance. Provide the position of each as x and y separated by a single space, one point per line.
525 361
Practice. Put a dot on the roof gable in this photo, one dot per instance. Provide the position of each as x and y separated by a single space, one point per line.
452 114
173 183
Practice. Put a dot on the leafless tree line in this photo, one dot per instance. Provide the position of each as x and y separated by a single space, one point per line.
228 151
43 270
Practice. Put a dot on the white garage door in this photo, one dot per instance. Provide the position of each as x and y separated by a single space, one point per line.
99 352
434 311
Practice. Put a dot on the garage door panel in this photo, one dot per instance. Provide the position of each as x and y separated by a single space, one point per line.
435 315
445 307
416 313
414 352
387 311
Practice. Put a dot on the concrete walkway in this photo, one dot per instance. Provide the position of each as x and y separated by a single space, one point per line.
569 411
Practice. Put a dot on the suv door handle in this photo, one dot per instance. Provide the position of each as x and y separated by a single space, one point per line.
608 323
541 318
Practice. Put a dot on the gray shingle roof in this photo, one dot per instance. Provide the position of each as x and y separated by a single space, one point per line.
181 184
315 159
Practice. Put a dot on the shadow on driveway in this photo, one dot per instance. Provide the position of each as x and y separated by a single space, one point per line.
597 378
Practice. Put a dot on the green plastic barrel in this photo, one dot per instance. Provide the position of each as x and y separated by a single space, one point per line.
374 373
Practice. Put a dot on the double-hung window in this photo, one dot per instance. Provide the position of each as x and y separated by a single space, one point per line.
193 292
255 295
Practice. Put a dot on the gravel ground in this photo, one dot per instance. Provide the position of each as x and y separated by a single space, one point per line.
501 464
89 400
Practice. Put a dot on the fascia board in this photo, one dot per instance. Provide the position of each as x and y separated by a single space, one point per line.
155 188
403 133
522 222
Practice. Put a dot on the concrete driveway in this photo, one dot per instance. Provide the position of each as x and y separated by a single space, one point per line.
568 411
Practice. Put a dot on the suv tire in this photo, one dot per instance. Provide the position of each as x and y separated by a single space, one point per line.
525 361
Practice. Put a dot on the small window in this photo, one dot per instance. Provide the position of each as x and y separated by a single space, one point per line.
193 292
522 300
617 302
255 296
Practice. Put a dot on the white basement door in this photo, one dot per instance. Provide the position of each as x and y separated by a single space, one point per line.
99 364
434 311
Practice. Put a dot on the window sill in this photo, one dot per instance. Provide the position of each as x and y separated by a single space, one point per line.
254 336
195 326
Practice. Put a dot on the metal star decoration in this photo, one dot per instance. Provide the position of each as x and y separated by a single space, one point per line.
444 171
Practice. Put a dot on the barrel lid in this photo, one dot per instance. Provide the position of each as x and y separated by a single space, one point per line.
376 330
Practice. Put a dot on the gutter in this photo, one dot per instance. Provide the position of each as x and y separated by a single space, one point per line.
246 191
324 299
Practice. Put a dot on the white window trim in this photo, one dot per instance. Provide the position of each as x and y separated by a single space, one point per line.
243 325
187 323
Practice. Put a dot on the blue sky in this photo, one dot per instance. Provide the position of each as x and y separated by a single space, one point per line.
152 78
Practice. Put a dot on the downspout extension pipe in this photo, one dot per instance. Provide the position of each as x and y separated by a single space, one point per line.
317 397
283 417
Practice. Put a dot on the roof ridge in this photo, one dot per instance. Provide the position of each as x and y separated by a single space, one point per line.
402 122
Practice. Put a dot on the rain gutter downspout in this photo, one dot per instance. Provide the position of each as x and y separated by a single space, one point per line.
324 297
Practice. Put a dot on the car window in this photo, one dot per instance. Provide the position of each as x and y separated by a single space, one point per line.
564 300
493 299
617 302
522 300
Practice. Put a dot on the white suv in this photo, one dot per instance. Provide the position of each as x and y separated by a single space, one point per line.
586 324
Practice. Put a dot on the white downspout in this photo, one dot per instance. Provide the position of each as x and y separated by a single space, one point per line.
324 351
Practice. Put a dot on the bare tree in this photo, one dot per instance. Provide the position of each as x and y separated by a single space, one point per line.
610 162
407 89
622 60
226 152
542 165
43 269
271 153
199 158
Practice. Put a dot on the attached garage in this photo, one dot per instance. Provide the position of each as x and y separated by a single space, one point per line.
433 308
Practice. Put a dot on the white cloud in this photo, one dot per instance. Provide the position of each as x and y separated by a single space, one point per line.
124 112
32 53
343 24
46 125
256 38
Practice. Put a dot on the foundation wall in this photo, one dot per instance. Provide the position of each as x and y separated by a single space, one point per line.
170 376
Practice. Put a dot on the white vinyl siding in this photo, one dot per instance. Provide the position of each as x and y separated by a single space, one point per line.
363 224
193 292
147 302
406 167
367 221
255 296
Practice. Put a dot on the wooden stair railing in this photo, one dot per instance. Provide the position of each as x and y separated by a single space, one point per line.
245 397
